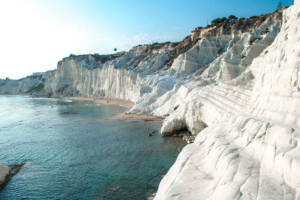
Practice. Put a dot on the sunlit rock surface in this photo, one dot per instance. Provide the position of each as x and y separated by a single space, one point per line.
250 148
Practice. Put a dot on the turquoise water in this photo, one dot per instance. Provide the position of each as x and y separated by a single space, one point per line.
72 151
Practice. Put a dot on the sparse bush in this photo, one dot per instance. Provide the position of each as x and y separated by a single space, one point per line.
253 17
218 21
232 18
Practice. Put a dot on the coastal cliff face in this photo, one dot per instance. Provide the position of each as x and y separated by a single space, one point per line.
115 76
250 148
28 85
146 72
235 86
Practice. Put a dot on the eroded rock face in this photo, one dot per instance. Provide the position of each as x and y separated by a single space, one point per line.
124 76
250 148
32 84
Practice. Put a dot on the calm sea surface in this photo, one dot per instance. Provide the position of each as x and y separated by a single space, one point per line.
72 151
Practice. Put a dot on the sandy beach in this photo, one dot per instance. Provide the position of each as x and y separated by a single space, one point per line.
126 116
122 116
108 101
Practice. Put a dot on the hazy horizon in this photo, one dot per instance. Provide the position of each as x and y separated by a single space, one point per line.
36 34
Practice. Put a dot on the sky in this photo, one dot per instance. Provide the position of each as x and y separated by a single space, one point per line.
36 34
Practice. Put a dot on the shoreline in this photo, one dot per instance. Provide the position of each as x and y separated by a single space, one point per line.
107 101
140 117
15 95
119 102
111 101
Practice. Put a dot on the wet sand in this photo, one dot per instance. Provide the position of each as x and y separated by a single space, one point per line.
126 116
122 116
108 101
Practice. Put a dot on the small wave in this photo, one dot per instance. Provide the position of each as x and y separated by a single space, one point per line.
67 101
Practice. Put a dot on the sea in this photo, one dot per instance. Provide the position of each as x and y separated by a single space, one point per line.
74 150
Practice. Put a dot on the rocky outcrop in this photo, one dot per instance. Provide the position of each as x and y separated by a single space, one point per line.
7 172
227 49
4 174
120 77
250 148
32 84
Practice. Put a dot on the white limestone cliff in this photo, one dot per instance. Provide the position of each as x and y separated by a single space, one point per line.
250 149
24 85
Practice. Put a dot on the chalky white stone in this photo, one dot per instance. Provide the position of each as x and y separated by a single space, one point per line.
250 149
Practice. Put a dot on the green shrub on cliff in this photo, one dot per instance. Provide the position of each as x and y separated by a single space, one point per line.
218 21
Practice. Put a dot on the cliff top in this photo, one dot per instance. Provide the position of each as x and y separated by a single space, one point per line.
88 58
219 26
233 25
